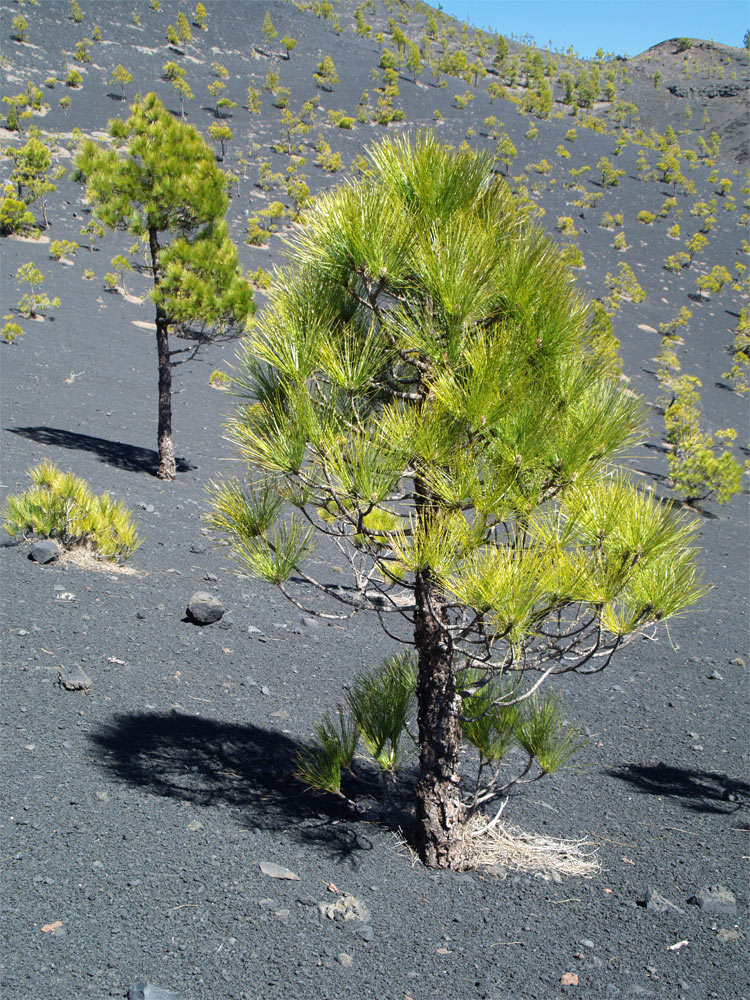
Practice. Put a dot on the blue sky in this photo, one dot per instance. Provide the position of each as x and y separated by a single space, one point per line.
625 27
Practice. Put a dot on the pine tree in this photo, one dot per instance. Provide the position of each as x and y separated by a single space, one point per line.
184 33
425 392
122 76
162 184
269 30
326 76
199 17
32 173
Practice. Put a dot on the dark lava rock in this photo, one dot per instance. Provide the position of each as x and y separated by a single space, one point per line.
727 934
145 991
657 903
715 899
45 551
74 679
204 608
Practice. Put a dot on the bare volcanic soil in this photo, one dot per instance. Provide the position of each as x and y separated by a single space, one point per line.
142 812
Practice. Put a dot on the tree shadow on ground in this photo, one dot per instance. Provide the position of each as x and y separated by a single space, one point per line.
211 763
130 457
700 791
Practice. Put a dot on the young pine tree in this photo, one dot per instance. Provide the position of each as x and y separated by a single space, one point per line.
162 183
424 389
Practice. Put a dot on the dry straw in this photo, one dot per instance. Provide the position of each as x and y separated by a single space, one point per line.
507 847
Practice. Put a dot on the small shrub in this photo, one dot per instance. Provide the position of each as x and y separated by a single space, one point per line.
10 332
20 28
566 226
261 278
33 302
696 472
82 54
645 217
619 242
15 216
73 79
255 236
219 379
62 248
572 256
60 505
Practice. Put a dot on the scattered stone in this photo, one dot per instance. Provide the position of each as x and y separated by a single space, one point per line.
366 932
345 960
499 871
282 914
197 550
148 507
145 991
587 943
738 662
727 934
210 577
204 608
45 551
273 870
715 676
252 630
569 979
657 903
56 928
346 907
715 899
265 691
74 679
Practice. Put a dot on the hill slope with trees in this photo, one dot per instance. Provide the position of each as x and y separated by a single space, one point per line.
140 818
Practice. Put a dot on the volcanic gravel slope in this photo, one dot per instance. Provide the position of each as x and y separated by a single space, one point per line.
135 818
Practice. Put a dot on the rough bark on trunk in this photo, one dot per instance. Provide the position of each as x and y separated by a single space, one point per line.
440 812
167 465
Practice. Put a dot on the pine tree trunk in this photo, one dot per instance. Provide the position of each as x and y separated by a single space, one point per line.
167 465
440 812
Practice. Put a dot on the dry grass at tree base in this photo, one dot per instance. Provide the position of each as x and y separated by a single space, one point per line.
501 848
84 557
505 846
